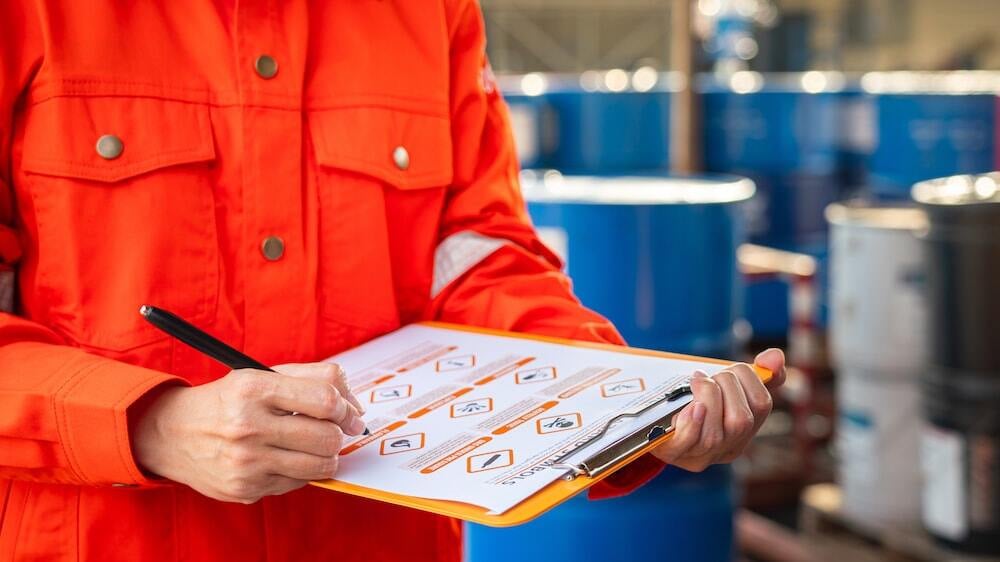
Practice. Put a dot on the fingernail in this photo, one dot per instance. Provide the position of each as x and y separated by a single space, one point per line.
356 427
699 374
770 355
698 412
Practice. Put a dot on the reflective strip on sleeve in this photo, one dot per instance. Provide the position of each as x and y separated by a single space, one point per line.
459 253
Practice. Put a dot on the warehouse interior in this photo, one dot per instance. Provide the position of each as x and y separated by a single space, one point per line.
720 176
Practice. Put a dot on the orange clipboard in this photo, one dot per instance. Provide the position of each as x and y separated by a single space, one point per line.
555 493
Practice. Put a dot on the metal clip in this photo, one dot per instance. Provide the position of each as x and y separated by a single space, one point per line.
623 448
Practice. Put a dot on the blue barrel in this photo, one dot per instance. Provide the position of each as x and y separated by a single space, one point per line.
783 132
604 131
677 516
930 125
656 255
788 133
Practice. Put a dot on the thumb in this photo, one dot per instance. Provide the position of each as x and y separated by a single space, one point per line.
773 359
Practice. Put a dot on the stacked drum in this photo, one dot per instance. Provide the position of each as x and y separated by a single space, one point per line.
878 336
961 390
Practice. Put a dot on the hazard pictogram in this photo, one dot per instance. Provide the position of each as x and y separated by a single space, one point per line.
552 424
390 393
619 388
455 363
401 444
471 407
489 461
538 374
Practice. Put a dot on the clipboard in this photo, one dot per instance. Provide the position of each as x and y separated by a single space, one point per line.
582 474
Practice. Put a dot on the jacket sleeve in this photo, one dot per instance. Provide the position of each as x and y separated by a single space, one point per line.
490 267
63 412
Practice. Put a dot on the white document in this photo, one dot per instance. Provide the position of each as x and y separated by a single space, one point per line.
480 418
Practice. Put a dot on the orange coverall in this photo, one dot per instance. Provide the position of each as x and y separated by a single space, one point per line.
295 176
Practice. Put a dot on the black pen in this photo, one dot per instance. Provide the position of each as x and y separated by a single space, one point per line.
203 342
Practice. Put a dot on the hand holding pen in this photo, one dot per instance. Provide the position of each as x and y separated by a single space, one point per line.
232 439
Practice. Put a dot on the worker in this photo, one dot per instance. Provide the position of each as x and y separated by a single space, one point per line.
296 177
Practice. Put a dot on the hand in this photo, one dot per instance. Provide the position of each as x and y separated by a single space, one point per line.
727 411
233 439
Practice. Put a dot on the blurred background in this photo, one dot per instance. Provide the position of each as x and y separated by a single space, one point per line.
720 176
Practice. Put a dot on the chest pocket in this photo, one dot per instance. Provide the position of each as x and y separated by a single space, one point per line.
121 194
381 174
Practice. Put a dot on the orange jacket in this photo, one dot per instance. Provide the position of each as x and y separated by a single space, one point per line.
360 178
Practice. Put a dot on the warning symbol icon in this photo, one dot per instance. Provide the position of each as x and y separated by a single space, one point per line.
489 461
538 374
390 393
553 424
472 407
401 444
455 363
630 386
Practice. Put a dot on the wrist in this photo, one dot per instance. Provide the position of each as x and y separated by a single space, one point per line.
149 422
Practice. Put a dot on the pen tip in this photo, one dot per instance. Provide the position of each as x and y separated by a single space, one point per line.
367 432
144 310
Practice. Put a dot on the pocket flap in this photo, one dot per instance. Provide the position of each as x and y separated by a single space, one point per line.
61 136
406 149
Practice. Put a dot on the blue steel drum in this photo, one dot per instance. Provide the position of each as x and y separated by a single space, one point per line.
784 132
772 124
656 255
790 134
677 516
608 132
931 125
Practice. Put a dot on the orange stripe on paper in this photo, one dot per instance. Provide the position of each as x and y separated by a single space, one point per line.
439 402
505 371
762 373
372 384
525 417
455 455
426 359
370 438
574 390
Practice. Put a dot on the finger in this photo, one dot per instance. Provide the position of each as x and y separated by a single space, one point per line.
301 466
757 394
328 372
305 435
773 360
314 398
687 432
340 381
737 418
707 391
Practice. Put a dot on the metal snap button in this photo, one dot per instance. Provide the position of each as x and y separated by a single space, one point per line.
266 66
109 147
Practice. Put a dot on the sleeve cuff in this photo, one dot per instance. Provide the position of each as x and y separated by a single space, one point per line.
628 479
91 413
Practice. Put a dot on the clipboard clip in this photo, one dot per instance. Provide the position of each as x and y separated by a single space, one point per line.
628 445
